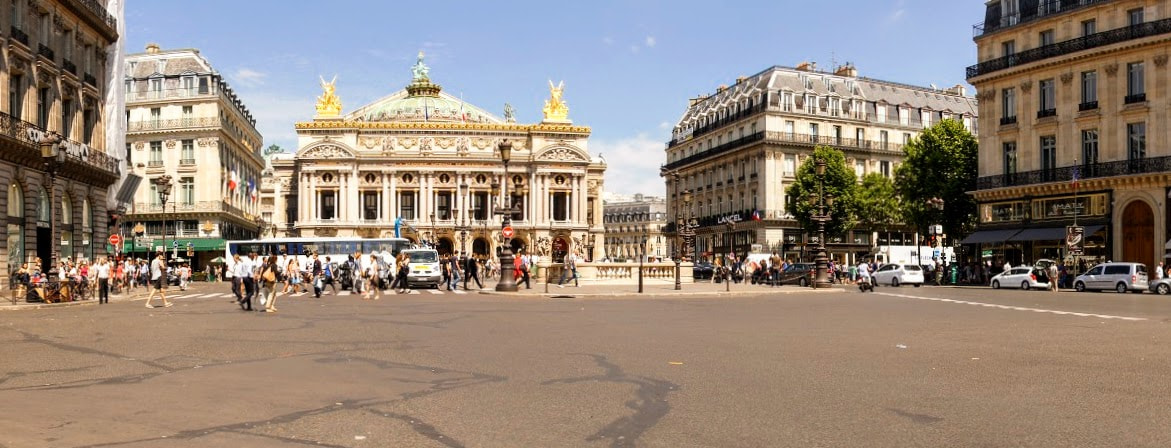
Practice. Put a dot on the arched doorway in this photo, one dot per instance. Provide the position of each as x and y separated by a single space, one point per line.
560 248
15 227
1138 235
445 246
480 247
517 245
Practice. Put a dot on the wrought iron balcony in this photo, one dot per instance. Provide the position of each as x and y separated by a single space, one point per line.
1136 98
174 123
99 10
1088 105
187 161
29 135
745 113
1005 121
69 66
1096 40
1046 113
91 80
1065 174
1044 9
171 93
45 51
19 35
154 163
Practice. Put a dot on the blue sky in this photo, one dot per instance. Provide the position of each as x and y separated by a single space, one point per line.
629 66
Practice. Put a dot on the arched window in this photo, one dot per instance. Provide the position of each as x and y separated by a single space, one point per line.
15 227
66 248
87 230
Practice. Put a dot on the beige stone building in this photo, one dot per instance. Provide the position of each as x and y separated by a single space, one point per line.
431 160
1074 89
736 151
632 220
55 72
184 121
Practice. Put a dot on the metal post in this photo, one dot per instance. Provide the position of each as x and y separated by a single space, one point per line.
821 280
507 283
641 256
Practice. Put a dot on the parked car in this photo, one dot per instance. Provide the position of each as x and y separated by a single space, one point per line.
1027 277
1119 276
798 274
899 274
1161 286
703 271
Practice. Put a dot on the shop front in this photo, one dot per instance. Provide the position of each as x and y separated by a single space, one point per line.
1024 231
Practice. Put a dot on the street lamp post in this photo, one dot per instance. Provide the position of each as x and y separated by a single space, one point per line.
54 160
822 201
641 257
731 237
463 227
163 184
507 283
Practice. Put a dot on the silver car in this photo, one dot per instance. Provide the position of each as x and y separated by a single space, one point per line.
1161 286
1120 276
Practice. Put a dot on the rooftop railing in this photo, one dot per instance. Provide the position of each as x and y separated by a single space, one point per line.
1065 174
1070 46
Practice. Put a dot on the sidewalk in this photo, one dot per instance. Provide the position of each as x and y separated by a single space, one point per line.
132 295
653 287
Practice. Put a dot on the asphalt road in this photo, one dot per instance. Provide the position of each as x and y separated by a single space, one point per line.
904 367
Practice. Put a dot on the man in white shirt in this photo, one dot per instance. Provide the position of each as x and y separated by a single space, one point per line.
158 280
102 270
244 271
864 272
1159 271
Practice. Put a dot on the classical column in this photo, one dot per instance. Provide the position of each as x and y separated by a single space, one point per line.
342 196
302 197
311 201
393 196
384 201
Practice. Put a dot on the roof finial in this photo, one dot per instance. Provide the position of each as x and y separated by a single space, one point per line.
420 70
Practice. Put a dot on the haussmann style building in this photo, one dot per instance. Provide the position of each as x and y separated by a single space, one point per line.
432 160
1074 112
58 60
632 221
734 152
185 122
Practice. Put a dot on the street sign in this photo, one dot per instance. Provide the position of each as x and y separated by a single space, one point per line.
115 240
175 244
507 232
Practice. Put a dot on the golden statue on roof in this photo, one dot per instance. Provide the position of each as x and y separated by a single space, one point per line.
556 109
328 104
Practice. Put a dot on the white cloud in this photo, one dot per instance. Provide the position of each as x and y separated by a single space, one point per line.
608 40
634 49
900 11
276 114
650 41
632 164
666 126
248 77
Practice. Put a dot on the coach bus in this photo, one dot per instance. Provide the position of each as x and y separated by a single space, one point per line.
337 249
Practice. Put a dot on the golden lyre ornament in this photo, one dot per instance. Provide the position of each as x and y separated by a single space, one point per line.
328 104
556 109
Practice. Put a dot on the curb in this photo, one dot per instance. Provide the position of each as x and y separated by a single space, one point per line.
41 306
570 294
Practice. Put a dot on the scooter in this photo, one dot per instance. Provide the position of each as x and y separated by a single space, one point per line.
864 285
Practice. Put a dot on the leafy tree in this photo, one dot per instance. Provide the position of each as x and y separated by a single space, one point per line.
940 163
876 203
840 182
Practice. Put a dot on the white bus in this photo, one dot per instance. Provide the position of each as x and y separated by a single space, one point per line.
337 249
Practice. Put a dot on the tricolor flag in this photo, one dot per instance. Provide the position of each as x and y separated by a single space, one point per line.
756 215
233 181
252 187
1075 177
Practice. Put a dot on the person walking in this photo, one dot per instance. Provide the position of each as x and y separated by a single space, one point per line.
358 274
570 268
268 282
318 282
453 268
400 284
237 280
1051 271
327 270
158 278
472 272
246 272
102 271
523 265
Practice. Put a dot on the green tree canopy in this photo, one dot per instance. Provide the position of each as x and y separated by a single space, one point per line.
840 182
940 163
877 204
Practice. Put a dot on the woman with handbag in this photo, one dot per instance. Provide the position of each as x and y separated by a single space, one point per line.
268 282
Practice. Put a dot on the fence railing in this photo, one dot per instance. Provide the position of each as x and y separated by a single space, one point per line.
1073 45
1066 173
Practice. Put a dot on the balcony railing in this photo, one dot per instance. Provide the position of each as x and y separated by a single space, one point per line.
1070 46
174 123
91 80
1043 113
1065 174
19 35
178 206
789 137
187 161
1005 121
98 10
69 66
154 163
1089 105
30 135
722 122
1136 98
170 93
1045 8
45 51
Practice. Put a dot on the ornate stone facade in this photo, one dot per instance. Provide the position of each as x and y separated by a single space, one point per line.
431 160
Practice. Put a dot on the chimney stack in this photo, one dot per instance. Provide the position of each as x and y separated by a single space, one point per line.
847 70
959 89
806 66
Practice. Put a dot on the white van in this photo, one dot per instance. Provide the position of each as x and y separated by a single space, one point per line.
424 268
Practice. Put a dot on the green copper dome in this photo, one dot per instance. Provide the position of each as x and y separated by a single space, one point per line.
424 101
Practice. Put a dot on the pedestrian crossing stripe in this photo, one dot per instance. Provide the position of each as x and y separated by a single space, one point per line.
459 292
434 291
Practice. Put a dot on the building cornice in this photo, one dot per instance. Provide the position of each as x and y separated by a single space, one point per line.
412 126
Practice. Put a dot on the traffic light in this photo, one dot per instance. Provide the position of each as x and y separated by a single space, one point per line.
933 240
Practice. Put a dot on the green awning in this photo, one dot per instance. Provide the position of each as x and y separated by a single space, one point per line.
198 244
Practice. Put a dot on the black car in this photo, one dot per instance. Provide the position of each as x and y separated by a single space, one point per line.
703 271
798 274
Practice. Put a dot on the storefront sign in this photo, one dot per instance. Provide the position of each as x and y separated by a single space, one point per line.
1003 212
1068 207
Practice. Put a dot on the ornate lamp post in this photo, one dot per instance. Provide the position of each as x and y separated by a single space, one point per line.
822 202
681 227
507 283
54 159
164 188
463 227
731 237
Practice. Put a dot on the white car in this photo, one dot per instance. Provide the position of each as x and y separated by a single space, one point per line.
1025 277
899 274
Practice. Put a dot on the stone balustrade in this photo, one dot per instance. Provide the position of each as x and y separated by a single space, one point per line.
617 272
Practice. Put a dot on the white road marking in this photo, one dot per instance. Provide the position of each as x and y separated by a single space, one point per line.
1015 308
434 291
459 292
